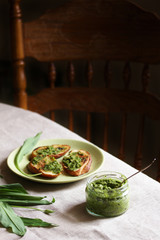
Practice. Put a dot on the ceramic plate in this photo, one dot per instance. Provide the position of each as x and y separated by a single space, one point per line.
96 154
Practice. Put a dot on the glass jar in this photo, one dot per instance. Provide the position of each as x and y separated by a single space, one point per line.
106 195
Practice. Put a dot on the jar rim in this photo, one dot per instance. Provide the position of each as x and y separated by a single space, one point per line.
109 173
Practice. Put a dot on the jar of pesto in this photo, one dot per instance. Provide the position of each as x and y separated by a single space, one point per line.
107 195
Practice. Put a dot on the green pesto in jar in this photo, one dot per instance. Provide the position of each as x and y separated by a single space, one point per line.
106 195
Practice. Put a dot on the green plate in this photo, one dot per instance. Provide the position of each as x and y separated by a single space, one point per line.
96 154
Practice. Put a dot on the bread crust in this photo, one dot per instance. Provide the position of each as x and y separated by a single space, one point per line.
85 164
64 150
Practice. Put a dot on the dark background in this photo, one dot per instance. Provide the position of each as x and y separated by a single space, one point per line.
33 8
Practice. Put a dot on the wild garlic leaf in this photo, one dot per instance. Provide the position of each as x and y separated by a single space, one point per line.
15 194
46 211
9 219
13 187
27 146
36 222
25 202
21 196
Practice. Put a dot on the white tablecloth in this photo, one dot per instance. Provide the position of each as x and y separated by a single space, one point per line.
141 221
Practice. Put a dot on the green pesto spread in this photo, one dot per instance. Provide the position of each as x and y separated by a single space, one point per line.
106 184
54 167
37 159
73 161
49 150
47 163
107 197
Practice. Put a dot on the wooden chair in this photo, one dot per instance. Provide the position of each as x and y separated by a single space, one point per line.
95 31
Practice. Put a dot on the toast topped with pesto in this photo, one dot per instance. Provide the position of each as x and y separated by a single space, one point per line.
77 162
48 166
44 160
55 150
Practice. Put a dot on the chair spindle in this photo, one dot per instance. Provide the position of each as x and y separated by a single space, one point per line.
71 79
139 155
20 96
107 79
158 172
89 83
52 79
52 75
126 80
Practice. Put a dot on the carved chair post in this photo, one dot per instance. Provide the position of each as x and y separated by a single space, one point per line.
17 49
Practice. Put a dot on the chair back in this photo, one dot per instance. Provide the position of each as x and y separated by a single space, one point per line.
96 32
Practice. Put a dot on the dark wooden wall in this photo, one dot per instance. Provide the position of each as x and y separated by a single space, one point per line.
30 9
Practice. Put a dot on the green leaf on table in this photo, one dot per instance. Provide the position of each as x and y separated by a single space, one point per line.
21 196
15 194
25 202
46 211
27 146
10 220
13 187
36 222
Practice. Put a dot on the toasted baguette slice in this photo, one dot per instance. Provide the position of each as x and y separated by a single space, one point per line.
77 162
47 166
55 150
